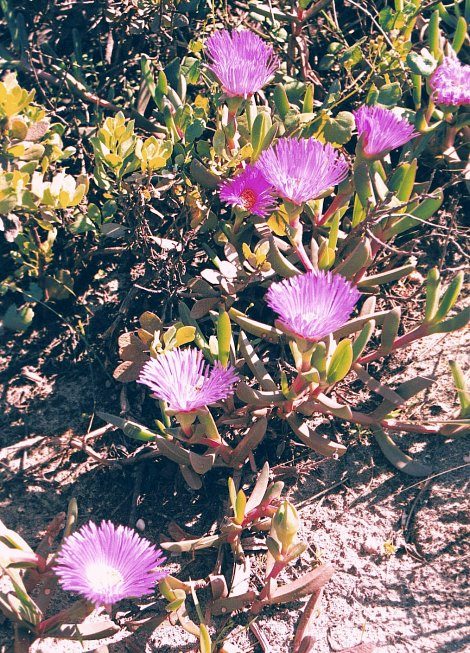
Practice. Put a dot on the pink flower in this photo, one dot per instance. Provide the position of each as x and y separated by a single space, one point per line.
108 563
381 130
249 191
314 304
242 61
302 170
450 83
182 379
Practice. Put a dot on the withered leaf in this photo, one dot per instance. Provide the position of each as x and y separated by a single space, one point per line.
203 306
150 322
145 337
128 371
131 348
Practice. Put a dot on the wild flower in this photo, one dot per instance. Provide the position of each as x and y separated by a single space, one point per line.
381 130
314 304
450 83
182 379
107 563
249 191
241 60
302 169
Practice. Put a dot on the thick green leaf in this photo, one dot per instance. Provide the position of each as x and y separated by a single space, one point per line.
363 184
205 644
240 504
390 330
434 35
261 126
340 362
362 339
397 457
184 335
279 262
460 34
386 277
307 584
421 64
202 175
224 336
339 130
255 364
249 442
449 297
18 318
199 340
255 328
389 94
463 392
281 101
232 494
454 323
258 398
307 105
88 631
433 285
359 258
260 488
314 440
405 391
334 407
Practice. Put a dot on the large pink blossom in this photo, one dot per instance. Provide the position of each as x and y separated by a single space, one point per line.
314 304
450 83
381 130
249 191
302 169
108 563
182 379
242 61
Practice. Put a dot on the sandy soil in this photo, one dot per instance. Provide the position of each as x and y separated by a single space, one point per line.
412 598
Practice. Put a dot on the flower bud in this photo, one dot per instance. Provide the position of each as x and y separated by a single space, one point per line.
286 524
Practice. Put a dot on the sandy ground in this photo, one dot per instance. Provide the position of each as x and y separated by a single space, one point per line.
412 599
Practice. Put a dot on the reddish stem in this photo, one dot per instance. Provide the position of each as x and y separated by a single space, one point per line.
303 257
335 205
403 340
369 420
274 573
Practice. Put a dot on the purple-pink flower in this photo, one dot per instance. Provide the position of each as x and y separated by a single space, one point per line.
381 130
314 304
182 379
450 83
107 563
249 191
302 169
242 61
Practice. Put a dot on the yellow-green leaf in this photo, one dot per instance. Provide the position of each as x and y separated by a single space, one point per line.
341 362
184 335
224 337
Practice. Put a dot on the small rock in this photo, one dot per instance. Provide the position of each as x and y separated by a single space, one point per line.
372 545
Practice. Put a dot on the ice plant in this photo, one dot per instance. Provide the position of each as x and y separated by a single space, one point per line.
381 130
242 61
314 304
182 379
250 192
302 169
450 83
107 563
